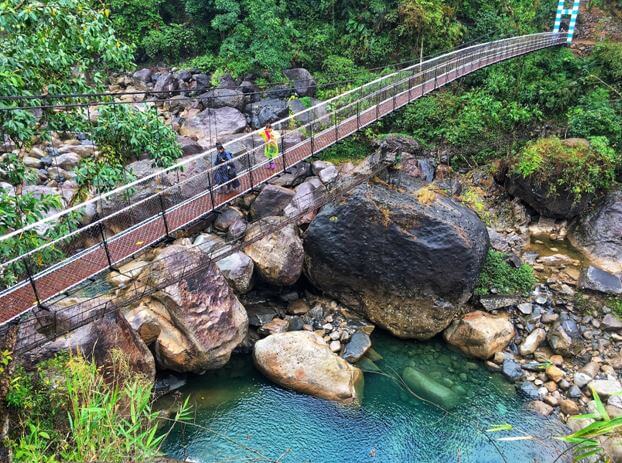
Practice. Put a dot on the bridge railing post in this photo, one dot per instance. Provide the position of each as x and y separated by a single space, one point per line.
283 146
31 280
102 235
210 187
163 213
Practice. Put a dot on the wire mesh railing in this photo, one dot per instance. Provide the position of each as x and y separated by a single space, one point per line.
138 215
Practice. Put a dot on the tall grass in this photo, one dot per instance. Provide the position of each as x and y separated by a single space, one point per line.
99 417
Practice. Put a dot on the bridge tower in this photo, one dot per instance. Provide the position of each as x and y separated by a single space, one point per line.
563 11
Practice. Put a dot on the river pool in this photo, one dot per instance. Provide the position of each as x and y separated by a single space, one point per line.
242 417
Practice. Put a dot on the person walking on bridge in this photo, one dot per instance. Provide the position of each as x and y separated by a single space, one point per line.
226 173
271 147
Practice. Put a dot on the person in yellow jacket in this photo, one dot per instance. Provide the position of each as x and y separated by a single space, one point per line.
271 148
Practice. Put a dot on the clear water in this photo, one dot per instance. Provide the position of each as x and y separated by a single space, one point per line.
243 417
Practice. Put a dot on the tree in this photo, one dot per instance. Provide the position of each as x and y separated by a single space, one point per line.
53 47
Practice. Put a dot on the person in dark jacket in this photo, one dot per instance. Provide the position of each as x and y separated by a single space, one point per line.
227 171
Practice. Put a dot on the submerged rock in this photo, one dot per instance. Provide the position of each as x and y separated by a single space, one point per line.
480 334
430 389
406 260
302 361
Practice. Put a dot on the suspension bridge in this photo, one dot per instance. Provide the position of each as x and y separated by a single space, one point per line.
149 210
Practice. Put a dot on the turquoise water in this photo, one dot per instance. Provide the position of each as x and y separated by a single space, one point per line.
243 417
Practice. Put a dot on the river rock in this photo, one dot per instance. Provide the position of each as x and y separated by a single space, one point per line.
595 279
237 268
143 75
271 201
302 361
561 342
227 217
221 97
605 388
210 124
491 303
302 80
480 334
540 408
279 256
612 323
598 235
206 319
358 345
511 369
267 110
430 389
406 264
532 342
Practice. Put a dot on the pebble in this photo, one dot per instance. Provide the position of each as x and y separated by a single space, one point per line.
525 308
327 327
541 408
335 346
574 392
541 300
550 317
554 373
569 407
581 379
551 400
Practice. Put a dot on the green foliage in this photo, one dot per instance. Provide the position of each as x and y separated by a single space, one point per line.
607 58
499 277
69 411
615 304
170 43
258 36
205 63
123 135
353 149
596 115
587 442
133 19
20 209
127 134
578 168
55 47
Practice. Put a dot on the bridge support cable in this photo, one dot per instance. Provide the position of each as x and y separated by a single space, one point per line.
157 205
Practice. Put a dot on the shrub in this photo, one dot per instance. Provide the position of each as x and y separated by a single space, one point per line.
499 277
607 57
352 149
595 116
171 42
126 134
578 168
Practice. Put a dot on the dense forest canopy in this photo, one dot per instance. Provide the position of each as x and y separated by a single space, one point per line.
269 35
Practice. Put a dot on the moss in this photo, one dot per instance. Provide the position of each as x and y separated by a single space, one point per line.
499 277
473 198
574 166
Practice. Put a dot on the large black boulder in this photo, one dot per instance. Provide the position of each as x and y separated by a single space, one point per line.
406 259
561 205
